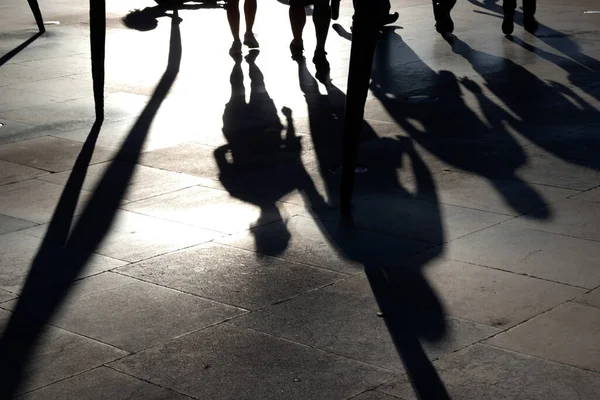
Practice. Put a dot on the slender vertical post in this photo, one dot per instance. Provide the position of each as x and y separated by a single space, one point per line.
366 25
37 14
97 47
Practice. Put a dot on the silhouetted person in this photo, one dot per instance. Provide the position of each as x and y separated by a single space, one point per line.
233 16
383 9
321 19
529 22
441 11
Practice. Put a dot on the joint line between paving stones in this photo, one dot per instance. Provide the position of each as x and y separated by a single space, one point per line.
542 358
146 380
316 348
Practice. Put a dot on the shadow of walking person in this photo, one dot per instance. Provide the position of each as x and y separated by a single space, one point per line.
66 252
249 148
410 308
546 112
448 127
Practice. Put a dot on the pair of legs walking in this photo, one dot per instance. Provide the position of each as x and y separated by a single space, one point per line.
321 19
529 22
233 16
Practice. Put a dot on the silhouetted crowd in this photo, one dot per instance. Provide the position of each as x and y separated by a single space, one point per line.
323 11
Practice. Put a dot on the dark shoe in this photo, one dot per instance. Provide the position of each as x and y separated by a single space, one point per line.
335 9
297 49
508 25
530 24
320 60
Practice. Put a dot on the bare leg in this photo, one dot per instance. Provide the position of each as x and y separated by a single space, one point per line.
298 21
233 16
321 19
250 14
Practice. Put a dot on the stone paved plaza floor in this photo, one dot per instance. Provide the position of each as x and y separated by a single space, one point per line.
189 245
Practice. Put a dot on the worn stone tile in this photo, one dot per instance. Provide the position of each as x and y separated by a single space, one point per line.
146 182
134 237
265 367
547 170
209 208
429 221
6 296
79 113
61 88
103 383
493 297
135 315
42 198
532 252
59 354
591 299
326 244
483 371
19 251
14 98
570 217
11 172
590 195
510 197
566 335
49 153
10 224
13 131
373 395
231 275
343 319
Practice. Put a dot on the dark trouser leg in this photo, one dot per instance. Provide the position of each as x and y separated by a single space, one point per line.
529 7
509 7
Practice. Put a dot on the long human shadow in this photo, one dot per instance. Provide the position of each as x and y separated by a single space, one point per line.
410 307
545 110
250 148
450 129
147 18
557 40
37 14
63 255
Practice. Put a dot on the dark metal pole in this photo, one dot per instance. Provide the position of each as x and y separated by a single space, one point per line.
97 45
366 25
37 14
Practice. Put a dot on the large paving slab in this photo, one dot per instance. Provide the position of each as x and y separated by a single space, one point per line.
590 195
326 244
10 224
264 367
103 383
373 395
209 208
11 172
424 220
576 218
42 198
511 197
49 153
532 252
591 299
20 250
566 335
482 371
343 319
146 182
6 296
135 237
490 296
59 354
134 315
230 275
